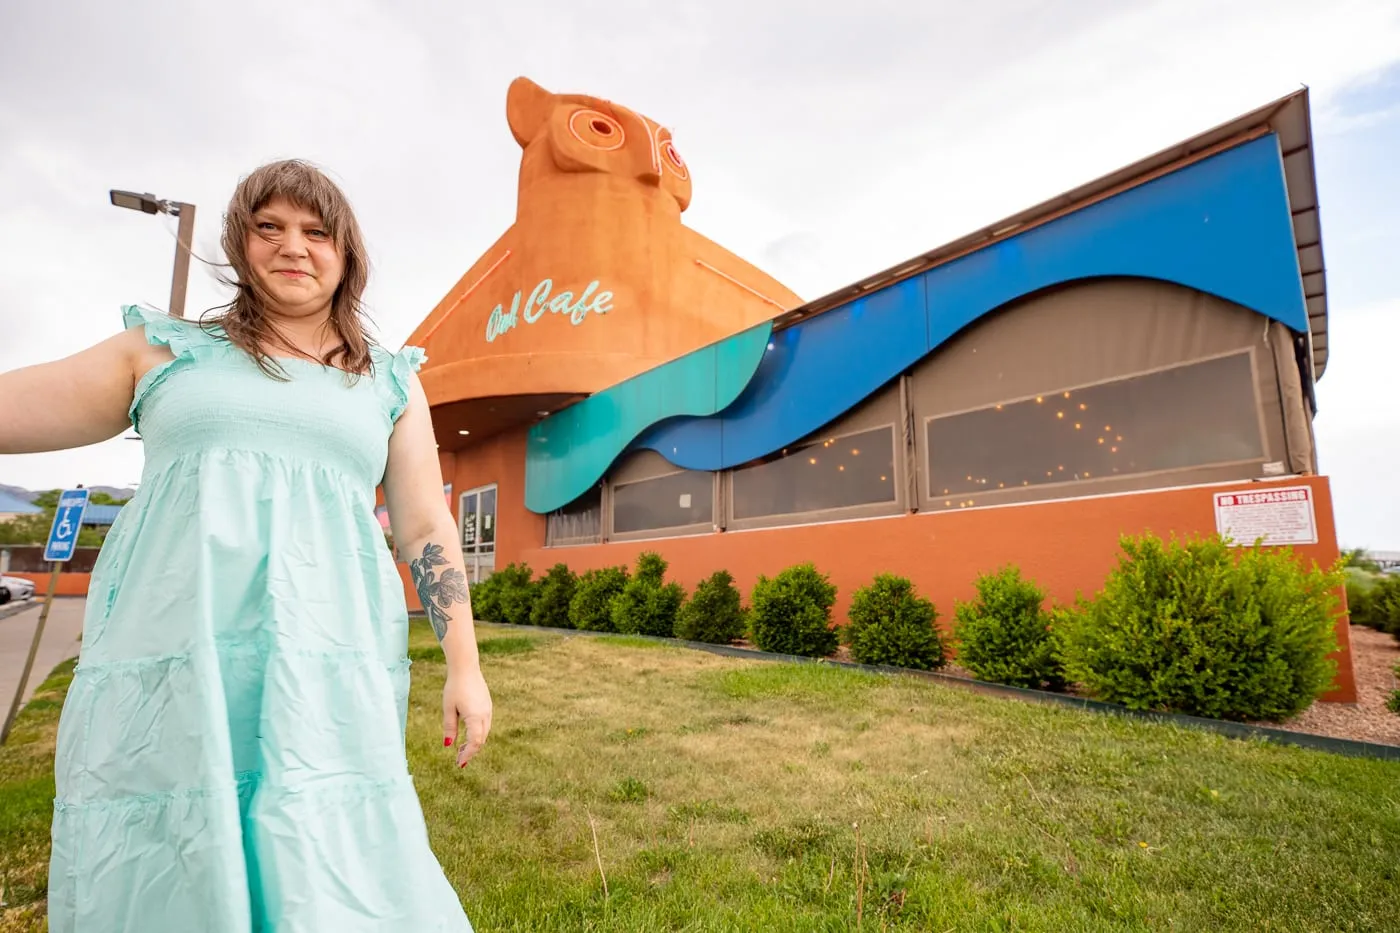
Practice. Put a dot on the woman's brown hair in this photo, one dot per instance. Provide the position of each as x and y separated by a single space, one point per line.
244 319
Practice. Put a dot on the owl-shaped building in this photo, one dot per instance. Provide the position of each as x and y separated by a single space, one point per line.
1138 354
596 281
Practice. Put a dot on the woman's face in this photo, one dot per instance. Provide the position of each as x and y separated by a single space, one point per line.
294 259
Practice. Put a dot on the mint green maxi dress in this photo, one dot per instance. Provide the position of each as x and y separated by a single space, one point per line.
231 752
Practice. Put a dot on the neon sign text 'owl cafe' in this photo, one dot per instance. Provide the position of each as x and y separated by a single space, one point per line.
539 302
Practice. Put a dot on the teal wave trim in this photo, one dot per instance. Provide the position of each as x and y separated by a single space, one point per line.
569 451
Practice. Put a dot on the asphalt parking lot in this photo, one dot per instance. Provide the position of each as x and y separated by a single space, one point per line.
62 639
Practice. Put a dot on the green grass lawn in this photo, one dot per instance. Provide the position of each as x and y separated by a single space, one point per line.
718 794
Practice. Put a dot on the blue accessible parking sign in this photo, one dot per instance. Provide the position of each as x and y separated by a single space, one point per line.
63 536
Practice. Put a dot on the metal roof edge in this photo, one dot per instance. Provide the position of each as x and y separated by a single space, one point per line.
1272 117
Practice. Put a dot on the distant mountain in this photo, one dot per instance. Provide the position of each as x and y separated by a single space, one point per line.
29 495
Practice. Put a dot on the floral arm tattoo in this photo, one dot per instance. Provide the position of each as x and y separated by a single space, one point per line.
437 594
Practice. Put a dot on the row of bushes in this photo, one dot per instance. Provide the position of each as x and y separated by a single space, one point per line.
1190 627
1374 601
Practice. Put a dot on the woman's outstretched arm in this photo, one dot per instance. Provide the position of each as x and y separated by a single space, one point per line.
72 402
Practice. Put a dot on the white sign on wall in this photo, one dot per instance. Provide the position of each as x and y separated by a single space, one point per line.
1281 517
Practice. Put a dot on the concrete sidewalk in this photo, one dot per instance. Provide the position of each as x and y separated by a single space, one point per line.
62 635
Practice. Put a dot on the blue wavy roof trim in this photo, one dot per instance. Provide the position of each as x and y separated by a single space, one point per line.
1221 226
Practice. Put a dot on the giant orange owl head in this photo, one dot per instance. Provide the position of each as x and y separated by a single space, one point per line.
578 133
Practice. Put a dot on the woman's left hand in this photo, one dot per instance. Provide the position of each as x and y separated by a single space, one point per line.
466 699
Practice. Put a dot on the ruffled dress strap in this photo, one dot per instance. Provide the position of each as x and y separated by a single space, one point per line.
400 365
187 340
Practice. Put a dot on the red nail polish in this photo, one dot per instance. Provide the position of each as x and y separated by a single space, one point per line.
447 741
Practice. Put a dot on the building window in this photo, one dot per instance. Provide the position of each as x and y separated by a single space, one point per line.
664 503
477 521
579 522
831 473
1196 415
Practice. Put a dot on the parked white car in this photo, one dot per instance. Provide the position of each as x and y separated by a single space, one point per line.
15 588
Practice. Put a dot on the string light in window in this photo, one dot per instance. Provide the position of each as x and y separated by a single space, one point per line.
1078 426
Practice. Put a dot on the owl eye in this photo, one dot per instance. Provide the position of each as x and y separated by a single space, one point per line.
668 151
597 130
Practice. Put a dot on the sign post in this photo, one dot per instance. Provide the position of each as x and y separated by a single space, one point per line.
63 539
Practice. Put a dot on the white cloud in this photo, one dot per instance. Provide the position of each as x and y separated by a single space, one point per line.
1358 423
826 144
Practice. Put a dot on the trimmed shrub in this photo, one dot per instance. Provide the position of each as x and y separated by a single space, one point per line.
791 613
516 593
1194 628
486 599
891 624
647 604
1377 607
713 613
555 592
591 607
1393 703
1005 636
1358 603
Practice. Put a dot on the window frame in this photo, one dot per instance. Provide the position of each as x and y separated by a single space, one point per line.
894 506
610 532
582 541
1129 482
477 559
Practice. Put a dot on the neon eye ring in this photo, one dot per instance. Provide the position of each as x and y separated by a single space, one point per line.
597 130
668 149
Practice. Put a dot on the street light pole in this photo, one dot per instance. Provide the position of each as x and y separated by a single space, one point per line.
184 237
184 242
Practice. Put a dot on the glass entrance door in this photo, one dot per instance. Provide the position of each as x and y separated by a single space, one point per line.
477 519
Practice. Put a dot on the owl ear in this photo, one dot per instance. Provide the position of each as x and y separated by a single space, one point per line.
527 107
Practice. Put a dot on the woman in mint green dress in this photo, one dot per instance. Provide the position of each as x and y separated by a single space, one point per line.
231 753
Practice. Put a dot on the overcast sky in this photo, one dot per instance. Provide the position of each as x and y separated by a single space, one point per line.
824 146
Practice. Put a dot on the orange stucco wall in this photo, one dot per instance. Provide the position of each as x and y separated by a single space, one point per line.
69 584
1068 547
501 460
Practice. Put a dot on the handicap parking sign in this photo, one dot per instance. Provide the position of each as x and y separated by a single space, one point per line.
67 521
